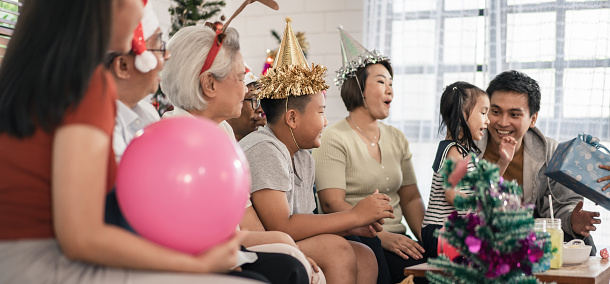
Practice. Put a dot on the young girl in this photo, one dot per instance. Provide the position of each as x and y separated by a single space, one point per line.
463 110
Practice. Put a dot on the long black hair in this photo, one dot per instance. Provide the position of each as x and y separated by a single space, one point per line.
457 99
50 58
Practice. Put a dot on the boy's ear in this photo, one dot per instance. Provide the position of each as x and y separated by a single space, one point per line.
291 118
208 85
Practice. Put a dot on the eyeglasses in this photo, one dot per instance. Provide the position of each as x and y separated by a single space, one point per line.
256 103
162 49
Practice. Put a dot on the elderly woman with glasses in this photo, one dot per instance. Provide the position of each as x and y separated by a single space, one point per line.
252 115
206 79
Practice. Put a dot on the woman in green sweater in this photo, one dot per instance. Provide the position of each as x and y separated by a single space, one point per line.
360 154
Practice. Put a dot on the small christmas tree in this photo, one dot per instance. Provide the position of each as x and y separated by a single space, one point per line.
191 12
496 240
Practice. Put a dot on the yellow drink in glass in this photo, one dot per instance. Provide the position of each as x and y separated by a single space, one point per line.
553 227
556 243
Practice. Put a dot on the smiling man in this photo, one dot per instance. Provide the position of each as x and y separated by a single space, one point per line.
515 102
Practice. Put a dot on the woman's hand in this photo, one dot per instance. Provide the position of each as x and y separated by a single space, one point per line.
222 257
401 245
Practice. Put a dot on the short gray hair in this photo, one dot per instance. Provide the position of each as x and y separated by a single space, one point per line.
189 47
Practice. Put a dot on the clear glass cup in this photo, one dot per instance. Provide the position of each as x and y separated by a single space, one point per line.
553 227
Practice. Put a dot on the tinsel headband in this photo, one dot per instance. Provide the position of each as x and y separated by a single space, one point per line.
354 56
291 75
220 34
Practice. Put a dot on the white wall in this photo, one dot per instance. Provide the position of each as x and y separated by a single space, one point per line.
161 9
317 18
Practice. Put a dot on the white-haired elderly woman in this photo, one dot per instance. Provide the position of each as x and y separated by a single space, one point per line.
197 83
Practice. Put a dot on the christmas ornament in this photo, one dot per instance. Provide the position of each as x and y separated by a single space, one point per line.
604 253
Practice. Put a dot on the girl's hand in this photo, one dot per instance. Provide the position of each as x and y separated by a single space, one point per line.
222 257
507 150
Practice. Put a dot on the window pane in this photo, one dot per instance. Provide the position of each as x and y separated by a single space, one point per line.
546 81
454 5
464 40
414 97
413 6
477 79
415 45
523 2
586 92
587 34
530 37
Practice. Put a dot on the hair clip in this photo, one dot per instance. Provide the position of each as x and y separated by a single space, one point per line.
454 88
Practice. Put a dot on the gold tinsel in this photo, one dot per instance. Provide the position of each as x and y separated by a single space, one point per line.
292 80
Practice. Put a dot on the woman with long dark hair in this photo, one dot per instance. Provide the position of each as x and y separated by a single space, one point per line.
57 108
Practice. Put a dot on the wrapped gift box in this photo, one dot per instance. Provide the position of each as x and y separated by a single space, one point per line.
575 164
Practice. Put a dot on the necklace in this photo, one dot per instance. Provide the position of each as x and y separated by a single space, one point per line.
362 132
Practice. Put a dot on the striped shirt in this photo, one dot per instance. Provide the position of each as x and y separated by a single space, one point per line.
438 208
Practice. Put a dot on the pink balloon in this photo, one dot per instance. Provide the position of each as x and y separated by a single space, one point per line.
183 184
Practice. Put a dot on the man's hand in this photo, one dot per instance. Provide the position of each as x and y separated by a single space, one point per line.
584 221
604 178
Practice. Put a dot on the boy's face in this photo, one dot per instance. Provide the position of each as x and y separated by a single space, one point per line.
309 128
509 116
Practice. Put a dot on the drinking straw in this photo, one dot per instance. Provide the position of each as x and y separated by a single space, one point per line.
551 204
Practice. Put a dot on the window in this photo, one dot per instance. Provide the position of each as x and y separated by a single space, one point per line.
563 44
9 10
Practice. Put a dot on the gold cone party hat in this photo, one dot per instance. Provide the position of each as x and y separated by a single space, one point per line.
290 52
291 75
354 56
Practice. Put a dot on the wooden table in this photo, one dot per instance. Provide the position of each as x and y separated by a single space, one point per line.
595 270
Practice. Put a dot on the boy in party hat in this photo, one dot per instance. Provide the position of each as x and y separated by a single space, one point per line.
283 171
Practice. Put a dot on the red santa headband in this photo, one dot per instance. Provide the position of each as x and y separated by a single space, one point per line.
145 60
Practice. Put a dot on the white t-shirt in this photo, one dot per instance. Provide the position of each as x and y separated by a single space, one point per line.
128 122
